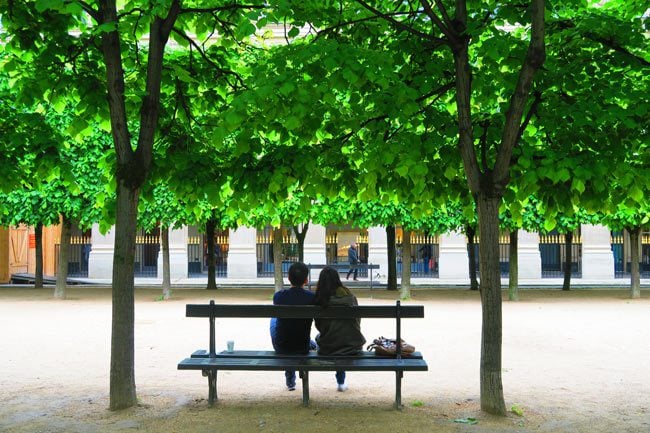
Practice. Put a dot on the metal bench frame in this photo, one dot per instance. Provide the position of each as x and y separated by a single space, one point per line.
210 362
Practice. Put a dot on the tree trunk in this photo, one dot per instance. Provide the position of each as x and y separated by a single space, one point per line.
277 259
38 272
300 236
392 258
64 253
635 276
166 279
492 400
406 265
568 241
471 251
488 183
122 393
210 227
513 264
131 172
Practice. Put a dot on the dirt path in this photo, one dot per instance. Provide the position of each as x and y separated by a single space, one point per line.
572 362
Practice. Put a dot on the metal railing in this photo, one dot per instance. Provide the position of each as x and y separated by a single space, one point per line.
622 254
197 256
336 254
425 252
264 251
504 254
552 248
78 255
147 247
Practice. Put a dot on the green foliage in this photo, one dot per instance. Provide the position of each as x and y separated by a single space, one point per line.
517 410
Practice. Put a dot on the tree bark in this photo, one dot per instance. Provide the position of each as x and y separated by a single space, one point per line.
300 236
406 265
568 242
392 258
122 388
277 259
64 253
492 400
471 251
38 272
488 184
166 277
210 227
132 170
635 275
513 264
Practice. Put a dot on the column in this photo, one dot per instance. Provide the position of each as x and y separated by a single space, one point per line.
100 259
315 248
453 263
597 254
242 253
177 255
528 255
378 252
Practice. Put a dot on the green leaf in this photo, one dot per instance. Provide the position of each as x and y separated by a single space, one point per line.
470 421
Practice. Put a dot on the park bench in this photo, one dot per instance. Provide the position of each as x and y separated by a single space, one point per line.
343 267
210 362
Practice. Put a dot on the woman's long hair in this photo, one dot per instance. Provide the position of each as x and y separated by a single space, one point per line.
328 281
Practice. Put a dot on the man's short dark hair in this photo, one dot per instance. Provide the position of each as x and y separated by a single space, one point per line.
298 274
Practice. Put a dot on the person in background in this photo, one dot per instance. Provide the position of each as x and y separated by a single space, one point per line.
292 336
337 336
353 259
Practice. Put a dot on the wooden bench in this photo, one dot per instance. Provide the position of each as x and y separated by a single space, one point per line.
210 362
343 267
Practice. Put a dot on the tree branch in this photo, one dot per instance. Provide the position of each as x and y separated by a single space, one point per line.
534 59
159 31
400 25
94 13
229 7
483 143
205 57
435 21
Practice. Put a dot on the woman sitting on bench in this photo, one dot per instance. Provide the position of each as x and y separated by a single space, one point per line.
337 336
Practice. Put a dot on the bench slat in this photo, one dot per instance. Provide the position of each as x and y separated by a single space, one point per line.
273 364
303 311
272 354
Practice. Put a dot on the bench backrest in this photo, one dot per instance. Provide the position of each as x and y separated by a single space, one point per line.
304 311
213 311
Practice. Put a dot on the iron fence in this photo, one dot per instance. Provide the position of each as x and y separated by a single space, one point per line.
552 248
424 254
265 265
338 254
78 255
147 247
197 255
622 254
504 254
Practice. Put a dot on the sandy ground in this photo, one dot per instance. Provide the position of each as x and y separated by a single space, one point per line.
572 362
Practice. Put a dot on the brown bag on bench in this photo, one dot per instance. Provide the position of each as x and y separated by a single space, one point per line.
388 347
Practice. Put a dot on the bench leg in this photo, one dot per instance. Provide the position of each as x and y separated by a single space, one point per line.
304 375
398 389
212 387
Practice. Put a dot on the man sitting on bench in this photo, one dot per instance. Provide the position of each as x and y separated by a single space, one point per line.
292 336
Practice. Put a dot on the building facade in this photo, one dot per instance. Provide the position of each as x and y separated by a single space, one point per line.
596 255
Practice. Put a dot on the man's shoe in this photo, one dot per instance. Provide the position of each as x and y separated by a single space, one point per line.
356 279
291 387
341 387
